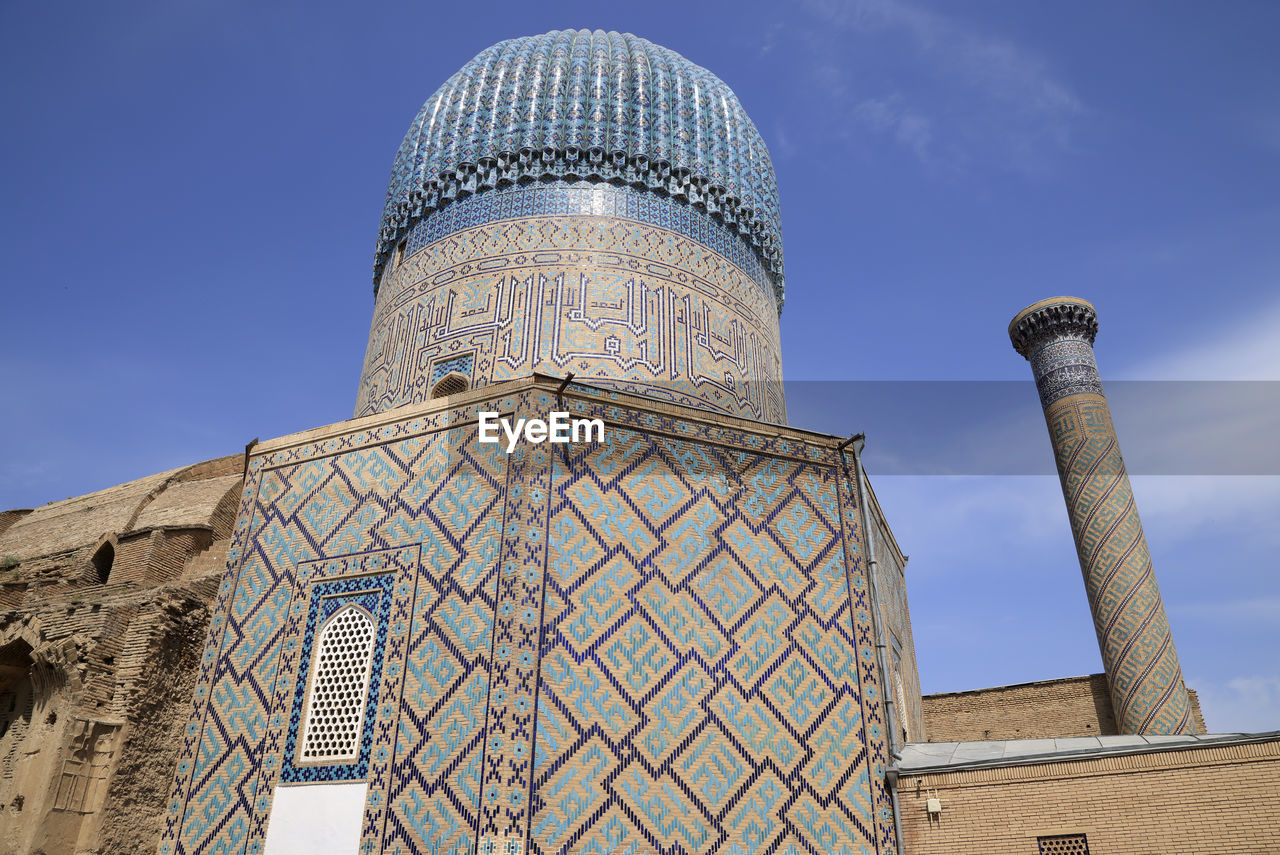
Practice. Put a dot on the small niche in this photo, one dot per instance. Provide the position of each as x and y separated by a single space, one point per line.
452 383
102 561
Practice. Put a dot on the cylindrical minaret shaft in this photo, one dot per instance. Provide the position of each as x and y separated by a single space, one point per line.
1147 693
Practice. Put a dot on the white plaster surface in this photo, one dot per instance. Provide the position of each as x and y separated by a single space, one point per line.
307 819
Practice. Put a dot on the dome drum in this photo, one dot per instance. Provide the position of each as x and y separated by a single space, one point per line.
626 289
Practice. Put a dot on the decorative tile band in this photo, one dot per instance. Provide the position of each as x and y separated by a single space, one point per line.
593 200
1065 367
617 300
1056 336
455 364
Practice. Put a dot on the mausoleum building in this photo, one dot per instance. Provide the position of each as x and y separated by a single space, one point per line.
687 633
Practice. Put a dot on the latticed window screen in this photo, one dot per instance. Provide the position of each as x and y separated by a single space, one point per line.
452 383
901 697
1064 844
339 687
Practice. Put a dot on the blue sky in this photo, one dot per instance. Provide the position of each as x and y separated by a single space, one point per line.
191 192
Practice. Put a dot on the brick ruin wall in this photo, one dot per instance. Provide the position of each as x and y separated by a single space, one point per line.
103 612
1071 706
161 700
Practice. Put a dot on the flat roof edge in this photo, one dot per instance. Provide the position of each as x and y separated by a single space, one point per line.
1066 755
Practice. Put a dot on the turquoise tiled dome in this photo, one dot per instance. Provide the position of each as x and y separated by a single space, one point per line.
580 105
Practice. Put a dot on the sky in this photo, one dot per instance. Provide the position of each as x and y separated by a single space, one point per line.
191 192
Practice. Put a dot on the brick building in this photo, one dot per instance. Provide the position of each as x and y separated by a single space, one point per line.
105 606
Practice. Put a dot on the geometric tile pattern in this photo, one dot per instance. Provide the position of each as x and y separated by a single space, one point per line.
401 506
604 107
1133 632
373 594
425 796
509 724
583 198
623 289
661 642
1147 691
708 680
454 364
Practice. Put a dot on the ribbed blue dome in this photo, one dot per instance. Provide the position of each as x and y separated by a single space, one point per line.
574 105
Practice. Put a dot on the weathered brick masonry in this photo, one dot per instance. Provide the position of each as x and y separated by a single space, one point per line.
103 611
1070 706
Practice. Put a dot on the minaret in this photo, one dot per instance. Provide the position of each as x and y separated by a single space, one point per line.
1147 693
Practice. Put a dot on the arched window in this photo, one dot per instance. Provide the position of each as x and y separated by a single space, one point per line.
335 708
902 707
899 691
450 384
102 561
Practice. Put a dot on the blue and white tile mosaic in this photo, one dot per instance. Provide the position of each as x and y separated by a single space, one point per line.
373 594
577 104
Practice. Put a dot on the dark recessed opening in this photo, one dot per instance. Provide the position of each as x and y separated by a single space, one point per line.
102 560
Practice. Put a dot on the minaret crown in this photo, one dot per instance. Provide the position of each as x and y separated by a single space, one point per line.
1052 319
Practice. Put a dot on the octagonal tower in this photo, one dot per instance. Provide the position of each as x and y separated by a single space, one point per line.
582 202
658 641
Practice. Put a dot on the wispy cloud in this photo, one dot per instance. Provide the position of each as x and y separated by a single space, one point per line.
951 93
889 115
947 522
782 142
1263 128
1227 420
1011 535
1253 609
1248 704
1177 508
769 38
986 549
1248 348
